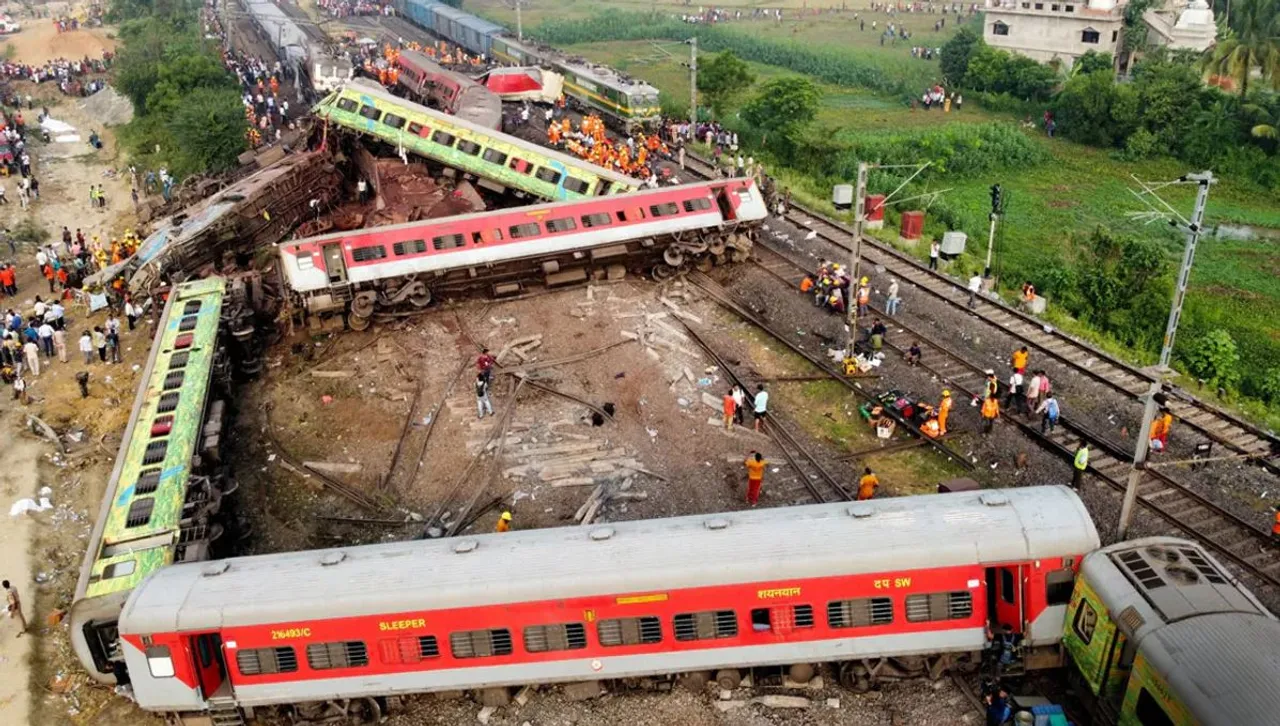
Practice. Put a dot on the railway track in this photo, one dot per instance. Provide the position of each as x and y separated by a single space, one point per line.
1160 493
1217 425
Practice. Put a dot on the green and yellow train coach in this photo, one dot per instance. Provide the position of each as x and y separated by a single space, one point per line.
500 160
1160 634
157 502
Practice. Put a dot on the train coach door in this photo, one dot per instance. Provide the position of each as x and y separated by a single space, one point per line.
726 205
1004 597
210 664
334 264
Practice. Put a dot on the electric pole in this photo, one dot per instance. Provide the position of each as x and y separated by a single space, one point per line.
693 82
519 23
997 206
1154 398
855 252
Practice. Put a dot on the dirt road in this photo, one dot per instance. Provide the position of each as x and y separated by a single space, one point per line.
18 479
39 42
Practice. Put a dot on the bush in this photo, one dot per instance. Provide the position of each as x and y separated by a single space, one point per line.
28 231
1214 359
1269 386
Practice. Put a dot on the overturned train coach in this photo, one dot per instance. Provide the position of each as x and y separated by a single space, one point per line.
869 587
662 231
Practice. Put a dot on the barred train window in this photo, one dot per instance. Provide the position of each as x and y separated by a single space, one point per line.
393 121
409 247
469 148
524 230
448 241
549 176
262 661
409 649
443 138
493 156
697 205
644 630
480 643
348 105
706 625
596 220
577 186
859 613
565 636
366 254
665 209
370 112
939 606
346 654
561 225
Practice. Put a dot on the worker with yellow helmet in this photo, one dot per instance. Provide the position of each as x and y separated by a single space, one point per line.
944 409
504 523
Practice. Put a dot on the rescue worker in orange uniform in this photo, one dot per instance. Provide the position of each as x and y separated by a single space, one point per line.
1160 428
944 410
1019 359
1275 528
504 523
867 485
990 412
931 428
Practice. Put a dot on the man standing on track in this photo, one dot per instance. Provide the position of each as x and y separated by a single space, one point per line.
1081 463
730 408
944 410
975 286
483 404
485 363
761 409
755 464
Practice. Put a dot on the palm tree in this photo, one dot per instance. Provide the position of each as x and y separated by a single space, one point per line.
1251 40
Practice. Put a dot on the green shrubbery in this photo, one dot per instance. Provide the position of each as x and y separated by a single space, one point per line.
837 66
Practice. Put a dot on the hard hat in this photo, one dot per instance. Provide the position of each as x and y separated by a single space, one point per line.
865 280
506 516
946 392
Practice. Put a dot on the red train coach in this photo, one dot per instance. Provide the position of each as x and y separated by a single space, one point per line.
912 576
707 223
448 90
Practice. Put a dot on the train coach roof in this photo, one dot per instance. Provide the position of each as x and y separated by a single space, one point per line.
479 25
371 89
765 545
284 34
1224 667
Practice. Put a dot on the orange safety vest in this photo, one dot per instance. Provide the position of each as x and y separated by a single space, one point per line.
867 486
944 410
806 284
1019 359
991 408
931 428
1275 528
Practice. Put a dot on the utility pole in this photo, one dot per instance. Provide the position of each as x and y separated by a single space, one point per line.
1154 398
855 252
693 82
997 206
519 23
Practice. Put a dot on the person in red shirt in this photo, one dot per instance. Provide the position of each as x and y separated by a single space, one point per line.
485 364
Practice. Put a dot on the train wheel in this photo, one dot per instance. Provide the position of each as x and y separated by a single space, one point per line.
716 247
364 711
696 681
663 272
801 672
739 256
362 305
358 322
720 260
728 679
673 257
704 263
420 299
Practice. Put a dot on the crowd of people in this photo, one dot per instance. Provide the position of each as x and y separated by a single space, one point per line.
352 8
265 111
68 74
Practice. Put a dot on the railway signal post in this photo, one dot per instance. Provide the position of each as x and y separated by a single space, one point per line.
1154 397
693 84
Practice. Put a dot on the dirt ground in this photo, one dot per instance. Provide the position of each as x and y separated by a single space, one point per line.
39 42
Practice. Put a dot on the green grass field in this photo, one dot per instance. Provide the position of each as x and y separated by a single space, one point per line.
1236 284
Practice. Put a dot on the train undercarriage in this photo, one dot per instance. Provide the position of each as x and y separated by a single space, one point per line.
662 258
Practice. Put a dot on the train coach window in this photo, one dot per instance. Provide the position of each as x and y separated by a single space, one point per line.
524 230
140 512
173 380
369 253
550 176
370 112
168 402
697 205
480 643
664 210
418 129
345 654
1007 586
470 148
561 225
1058 586
448 241
179 360
520 166
493 156
577 186
348 105
119 569
191 308
706 625
596 220
444 138
782 618
859 613
263 661
410 247
409 649
393 121
159 662
148 482
939 606
562 636
1150 712
629 631
1085 622
155 452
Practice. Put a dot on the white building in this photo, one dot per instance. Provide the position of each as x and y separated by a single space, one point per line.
1065 30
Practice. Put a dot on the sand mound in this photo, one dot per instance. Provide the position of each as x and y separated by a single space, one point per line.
107 107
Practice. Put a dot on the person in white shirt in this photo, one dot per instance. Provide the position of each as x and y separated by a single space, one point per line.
975 286
45 331
86 347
